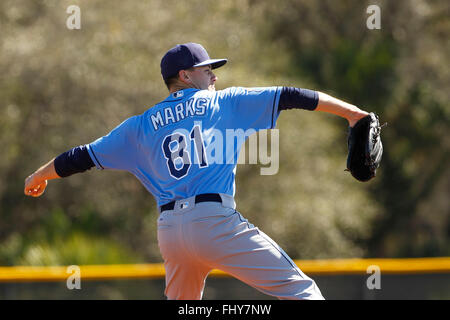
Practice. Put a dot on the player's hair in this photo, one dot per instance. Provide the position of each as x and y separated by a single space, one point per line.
169 82
172 80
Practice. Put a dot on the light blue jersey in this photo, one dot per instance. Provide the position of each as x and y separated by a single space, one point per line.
189 143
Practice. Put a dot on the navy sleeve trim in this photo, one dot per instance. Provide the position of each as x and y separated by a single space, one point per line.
273 107
73 161
298 98
96 159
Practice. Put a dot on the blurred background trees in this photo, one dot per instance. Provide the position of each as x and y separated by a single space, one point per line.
60 88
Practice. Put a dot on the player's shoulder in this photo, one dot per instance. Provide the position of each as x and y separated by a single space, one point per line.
135 119
238 90
230 92
132 123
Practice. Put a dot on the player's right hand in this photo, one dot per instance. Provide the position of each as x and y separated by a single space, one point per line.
34 187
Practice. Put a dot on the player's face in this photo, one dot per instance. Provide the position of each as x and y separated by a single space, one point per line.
202 78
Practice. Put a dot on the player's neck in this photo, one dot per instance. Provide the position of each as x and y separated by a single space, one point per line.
179 86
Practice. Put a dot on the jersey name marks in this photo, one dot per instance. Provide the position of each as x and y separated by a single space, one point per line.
177 112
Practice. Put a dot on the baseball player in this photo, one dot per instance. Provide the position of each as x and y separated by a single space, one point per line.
169 149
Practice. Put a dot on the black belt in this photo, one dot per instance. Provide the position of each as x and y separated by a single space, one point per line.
205 197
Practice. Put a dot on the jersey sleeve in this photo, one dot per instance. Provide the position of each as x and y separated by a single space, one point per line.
117 150
255 108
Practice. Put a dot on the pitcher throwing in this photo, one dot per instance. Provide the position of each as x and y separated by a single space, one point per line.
168 148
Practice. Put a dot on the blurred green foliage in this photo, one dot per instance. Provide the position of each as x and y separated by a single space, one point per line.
60 88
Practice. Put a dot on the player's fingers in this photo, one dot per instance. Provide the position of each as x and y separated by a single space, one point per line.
35 190
29 190
29 185
34 187
43 185
36 193
39 190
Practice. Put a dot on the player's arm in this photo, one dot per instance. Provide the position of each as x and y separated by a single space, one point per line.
70 162
298 98
36 183
340 108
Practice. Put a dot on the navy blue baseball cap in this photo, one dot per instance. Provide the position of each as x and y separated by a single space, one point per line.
185 56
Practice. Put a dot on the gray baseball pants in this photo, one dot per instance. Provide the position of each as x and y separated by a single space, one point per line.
196 238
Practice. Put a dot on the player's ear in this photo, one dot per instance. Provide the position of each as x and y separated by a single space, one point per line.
184 76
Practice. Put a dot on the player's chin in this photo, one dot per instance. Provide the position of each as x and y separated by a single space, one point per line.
212 87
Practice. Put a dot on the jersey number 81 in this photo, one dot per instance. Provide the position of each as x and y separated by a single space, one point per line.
177 155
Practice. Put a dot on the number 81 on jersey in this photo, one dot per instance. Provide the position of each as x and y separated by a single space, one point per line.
178 158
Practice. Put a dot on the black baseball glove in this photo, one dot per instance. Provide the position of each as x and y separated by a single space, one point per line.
364 148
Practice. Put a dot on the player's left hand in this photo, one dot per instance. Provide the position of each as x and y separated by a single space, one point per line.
356 117
34 186
365 148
